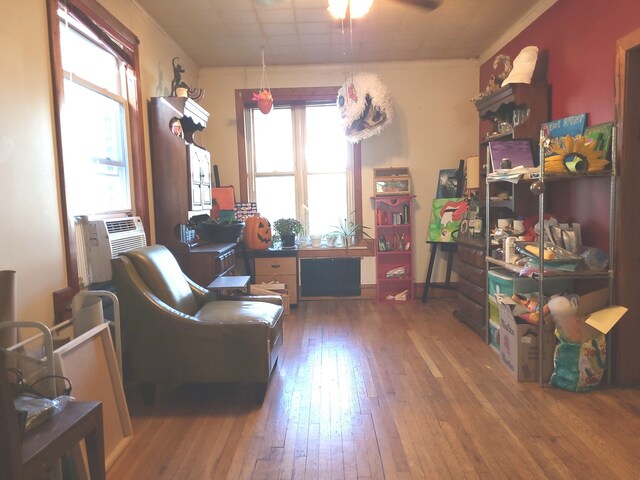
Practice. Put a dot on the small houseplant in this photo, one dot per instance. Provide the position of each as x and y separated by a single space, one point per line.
216 230
349 230
287 229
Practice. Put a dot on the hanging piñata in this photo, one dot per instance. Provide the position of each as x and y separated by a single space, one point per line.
365 106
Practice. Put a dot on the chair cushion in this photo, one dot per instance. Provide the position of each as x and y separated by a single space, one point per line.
159 269
240 312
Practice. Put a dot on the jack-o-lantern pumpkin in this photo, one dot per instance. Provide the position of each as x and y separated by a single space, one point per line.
257 233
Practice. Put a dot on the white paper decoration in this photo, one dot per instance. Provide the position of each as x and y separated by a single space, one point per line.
365 106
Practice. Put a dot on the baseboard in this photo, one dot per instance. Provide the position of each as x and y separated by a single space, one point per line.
368 292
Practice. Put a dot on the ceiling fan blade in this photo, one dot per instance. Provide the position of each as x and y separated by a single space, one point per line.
427 4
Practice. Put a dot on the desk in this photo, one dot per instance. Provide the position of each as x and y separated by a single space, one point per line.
47 443
277 265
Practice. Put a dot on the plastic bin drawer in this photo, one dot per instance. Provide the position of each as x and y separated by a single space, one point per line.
508 283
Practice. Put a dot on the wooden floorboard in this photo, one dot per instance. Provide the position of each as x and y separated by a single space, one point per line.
364 391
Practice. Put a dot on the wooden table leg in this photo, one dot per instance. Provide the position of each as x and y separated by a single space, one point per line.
94 442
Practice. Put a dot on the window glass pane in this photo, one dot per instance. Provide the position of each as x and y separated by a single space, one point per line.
276 197
325 143
273 141
327 201
96 153
84 58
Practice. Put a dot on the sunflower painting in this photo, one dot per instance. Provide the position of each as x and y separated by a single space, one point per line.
574 154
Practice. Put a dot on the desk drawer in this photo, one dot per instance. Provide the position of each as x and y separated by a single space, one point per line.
275 266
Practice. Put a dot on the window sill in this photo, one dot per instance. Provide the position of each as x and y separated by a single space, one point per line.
363 249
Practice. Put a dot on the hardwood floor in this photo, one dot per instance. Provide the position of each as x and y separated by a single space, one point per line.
367 391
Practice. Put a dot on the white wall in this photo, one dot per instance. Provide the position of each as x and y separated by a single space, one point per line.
31 237
435 125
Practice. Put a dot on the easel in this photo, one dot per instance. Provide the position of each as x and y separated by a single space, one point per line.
448 247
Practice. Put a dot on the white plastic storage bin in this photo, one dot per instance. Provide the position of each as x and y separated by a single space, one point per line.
503 281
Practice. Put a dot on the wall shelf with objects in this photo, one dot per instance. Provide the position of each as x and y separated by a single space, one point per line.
394 248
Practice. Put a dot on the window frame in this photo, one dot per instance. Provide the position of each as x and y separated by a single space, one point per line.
124 43
291 96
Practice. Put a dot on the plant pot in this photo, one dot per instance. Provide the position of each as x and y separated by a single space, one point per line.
288 240
220 232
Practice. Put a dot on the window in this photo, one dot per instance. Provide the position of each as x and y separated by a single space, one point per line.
298 162
98 123
94 124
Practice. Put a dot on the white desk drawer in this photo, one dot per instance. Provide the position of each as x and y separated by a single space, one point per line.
275 266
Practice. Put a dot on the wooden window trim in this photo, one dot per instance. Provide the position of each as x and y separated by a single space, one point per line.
103 22
289 96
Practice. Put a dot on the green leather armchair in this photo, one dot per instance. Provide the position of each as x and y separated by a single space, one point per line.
174 331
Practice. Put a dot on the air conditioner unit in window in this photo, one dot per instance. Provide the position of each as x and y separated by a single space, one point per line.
106 239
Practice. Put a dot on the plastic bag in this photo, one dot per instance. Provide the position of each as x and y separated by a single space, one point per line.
579 367
33 411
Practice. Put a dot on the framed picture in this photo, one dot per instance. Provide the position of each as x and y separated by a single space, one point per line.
244 210
519 152
558 129
89 362
601 134
448 183
573 125
446 216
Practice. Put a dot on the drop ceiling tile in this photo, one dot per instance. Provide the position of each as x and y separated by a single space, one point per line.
313 15
282 40
299 4
312 28
276 15
230 17
279 29
391 30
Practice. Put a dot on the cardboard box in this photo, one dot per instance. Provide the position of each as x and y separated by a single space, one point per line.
273 289
519 347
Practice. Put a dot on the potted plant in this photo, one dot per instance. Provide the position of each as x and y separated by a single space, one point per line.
287 229
217 230
348 230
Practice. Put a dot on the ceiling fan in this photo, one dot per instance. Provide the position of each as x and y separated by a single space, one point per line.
426 4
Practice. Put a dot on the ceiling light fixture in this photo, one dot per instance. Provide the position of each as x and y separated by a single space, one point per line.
356 8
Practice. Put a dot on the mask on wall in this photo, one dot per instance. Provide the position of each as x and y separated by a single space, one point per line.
364 105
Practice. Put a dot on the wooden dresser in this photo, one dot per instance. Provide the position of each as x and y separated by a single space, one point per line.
472 296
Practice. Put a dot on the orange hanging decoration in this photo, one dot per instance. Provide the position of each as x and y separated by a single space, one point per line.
264 97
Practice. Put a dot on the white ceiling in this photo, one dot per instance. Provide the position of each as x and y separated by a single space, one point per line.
221 33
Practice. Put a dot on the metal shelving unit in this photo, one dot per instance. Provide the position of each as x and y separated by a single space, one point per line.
608 275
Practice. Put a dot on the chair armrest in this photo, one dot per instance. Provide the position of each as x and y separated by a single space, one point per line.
202 294
274 299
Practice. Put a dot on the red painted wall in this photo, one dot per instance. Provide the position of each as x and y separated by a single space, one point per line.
577 43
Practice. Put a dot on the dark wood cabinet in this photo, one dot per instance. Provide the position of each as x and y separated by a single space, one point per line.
181 172
515 111
471 296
